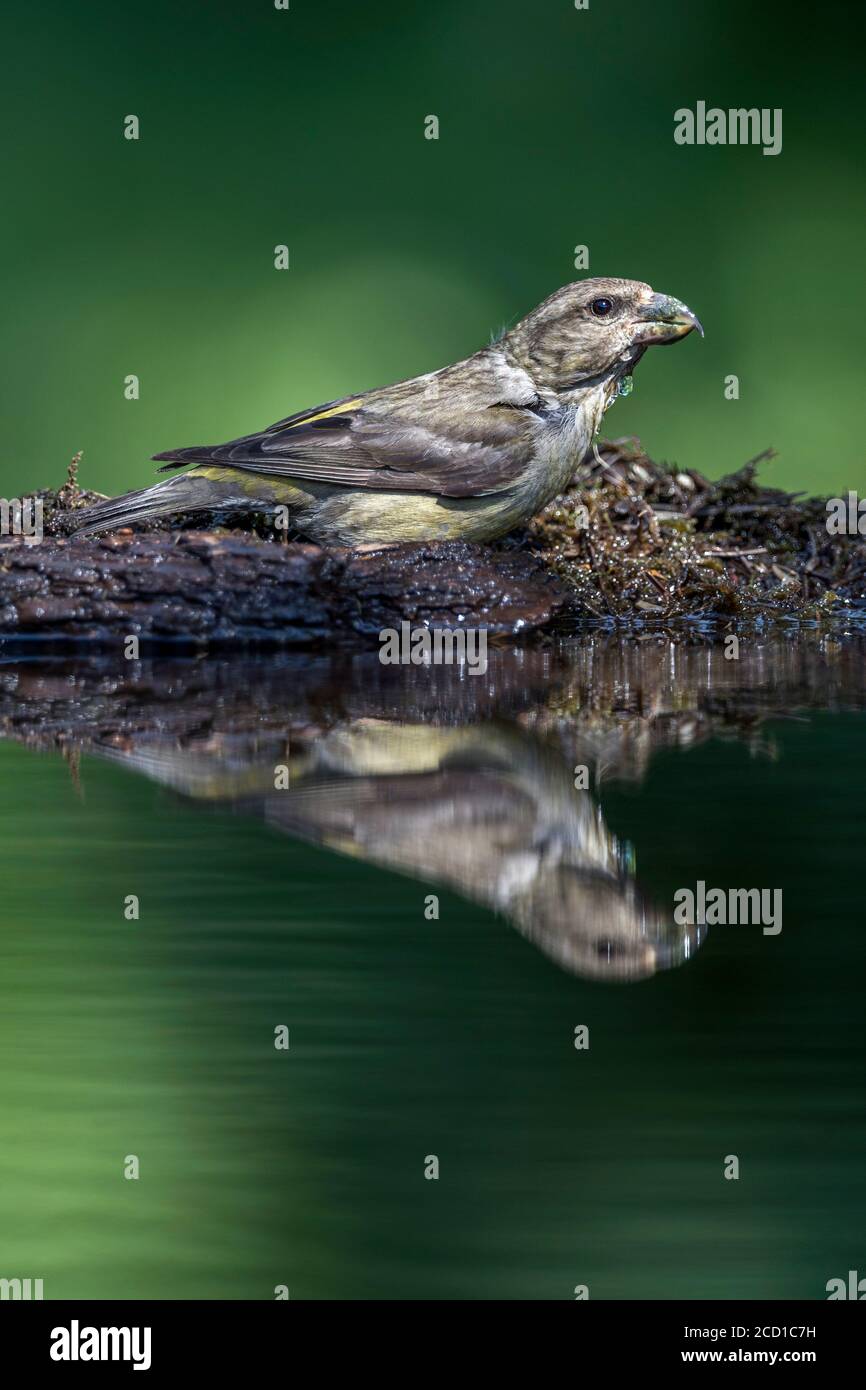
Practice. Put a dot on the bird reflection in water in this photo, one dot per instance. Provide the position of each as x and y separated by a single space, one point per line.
486 810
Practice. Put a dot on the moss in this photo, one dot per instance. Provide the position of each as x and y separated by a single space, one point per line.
634 539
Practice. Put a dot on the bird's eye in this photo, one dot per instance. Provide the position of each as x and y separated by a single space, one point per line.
601 307
606 950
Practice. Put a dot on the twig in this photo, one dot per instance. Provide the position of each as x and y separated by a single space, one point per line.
736 554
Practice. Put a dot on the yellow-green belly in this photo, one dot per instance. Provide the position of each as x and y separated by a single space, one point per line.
357 516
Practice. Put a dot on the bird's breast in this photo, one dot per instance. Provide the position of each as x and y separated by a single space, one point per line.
563 439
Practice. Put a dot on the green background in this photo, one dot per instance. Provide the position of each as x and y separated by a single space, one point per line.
305 127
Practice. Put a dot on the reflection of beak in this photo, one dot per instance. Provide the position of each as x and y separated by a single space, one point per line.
675 951
665 320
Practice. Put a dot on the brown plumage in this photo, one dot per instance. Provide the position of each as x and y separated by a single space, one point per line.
468 451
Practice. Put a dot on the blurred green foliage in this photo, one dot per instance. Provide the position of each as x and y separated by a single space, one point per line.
305 127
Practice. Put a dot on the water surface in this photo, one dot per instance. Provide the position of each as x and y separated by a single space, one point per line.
453 1036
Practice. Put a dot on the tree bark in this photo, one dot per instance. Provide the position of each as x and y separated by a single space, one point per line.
203 588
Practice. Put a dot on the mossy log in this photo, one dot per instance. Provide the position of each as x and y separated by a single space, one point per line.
630 543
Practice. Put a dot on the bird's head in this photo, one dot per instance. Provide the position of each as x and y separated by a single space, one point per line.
594 331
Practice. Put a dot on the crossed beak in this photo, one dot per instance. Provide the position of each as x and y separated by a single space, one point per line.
665 320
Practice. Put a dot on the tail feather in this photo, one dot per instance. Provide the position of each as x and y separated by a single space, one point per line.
181 494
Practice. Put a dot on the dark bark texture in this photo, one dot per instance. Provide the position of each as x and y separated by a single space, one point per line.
233 589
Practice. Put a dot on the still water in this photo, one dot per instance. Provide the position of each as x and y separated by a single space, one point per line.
431 908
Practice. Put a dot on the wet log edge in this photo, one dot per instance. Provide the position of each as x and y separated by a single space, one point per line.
198 588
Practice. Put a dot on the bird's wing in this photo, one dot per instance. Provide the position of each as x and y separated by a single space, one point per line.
461 432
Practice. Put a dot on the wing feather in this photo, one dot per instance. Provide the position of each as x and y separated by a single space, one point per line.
462 432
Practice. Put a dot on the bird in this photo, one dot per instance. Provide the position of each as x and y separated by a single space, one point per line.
468 452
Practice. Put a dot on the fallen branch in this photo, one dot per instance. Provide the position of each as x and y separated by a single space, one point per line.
207 588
